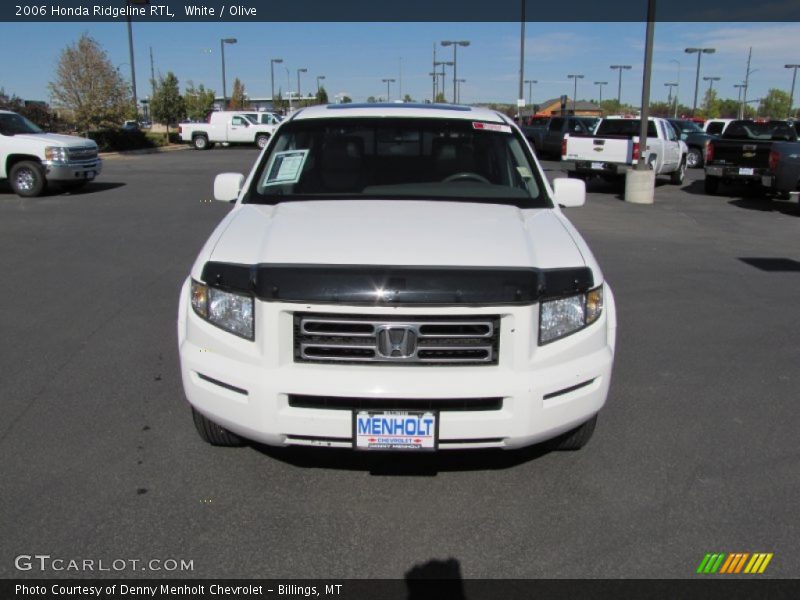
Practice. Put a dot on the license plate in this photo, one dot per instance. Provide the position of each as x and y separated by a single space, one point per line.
598 166
746 172
395 430
89 175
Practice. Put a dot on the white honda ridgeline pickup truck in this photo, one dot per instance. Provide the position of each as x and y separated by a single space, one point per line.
614 146
396 277
31 159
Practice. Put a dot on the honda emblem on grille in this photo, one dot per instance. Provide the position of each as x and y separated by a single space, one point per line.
395 341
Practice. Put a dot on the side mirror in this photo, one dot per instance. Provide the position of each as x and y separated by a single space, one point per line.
569 192
227 186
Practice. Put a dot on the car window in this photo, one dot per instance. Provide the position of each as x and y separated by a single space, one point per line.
774 130
715 128
403 158
625 127
241 121
556 124
12 124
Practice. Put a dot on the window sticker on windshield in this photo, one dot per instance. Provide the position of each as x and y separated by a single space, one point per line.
524 172
285 167
491 127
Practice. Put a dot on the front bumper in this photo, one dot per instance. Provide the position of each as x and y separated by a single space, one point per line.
246 386
74 170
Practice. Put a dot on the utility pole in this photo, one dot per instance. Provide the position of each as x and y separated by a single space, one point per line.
152 72
791 94
530 83
600 85
435 75
575 93
669 99
520 93
746 84
620 68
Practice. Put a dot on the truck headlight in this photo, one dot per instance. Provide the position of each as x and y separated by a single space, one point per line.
229 311
563 316
56 154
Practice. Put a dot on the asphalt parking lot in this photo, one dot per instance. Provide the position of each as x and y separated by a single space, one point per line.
695 452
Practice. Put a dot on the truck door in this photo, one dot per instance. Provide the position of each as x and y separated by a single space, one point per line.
553 135
672 148
239 130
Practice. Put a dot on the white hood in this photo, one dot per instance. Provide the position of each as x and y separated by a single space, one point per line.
56 139
396 233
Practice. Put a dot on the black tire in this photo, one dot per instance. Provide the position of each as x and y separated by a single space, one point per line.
694 159
213 434
27 179
200 142
711 185
676 177
574 439
261 141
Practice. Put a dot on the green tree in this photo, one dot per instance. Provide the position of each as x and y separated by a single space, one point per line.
237 101
346 99
776 104
278 103
372 100
88 83
13 102
322 95
198 101
711 104
660 109
408 98
440 99
166 105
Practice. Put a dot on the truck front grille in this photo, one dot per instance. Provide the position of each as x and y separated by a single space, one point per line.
417 340
406 404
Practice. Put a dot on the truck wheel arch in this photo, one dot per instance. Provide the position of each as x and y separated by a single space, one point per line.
13 159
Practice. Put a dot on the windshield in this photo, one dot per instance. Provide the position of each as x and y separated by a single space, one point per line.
12 124
687 127
398 158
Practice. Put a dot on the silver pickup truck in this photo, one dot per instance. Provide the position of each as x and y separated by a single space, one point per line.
614 147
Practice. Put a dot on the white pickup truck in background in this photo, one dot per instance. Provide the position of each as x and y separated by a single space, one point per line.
226 127
614 147
32 159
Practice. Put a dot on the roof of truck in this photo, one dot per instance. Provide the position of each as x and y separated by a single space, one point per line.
402 110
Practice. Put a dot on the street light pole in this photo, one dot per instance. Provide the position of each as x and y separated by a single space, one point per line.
521 60
272 62
600 85
455 44
459 82
575 93
791 94
620 68
130 54
444 63
388 83
530 83
289 86
699 52
222 43
711 81
677 87
669 98
318 78
299 95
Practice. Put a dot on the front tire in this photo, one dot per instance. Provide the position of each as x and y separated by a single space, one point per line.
574 439
214 434
27 179
262 141
676 177
711 185
200 142
694 159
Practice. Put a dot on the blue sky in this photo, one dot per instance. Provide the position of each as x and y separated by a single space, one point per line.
355 57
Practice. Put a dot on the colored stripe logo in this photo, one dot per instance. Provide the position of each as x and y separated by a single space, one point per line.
734 563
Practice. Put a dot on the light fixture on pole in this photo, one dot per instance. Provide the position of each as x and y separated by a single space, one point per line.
711 81
791 94
620 68
677 86
455 44
575 93
600 85
222 43
289 86
740 87
530 83
272 62
459 82
445 64
299 95
388 83
699 52
669 98
318 78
